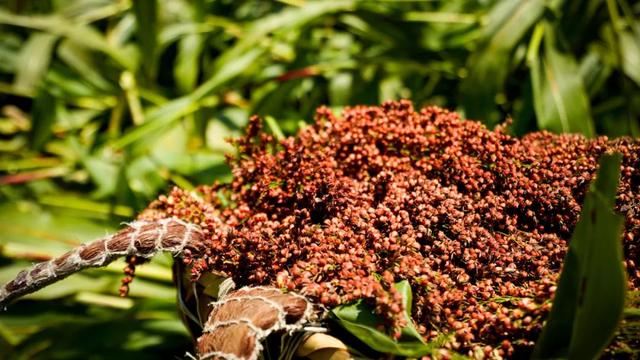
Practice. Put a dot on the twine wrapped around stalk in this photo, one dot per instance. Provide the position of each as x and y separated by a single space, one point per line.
141 238
237 322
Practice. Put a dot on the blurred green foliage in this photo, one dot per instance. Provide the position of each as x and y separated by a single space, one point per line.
106 103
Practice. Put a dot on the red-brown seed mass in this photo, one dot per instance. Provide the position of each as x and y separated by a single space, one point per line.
476 220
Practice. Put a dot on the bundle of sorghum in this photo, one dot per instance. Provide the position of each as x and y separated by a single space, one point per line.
476 220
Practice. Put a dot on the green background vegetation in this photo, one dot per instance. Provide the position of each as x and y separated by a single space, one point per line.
105 104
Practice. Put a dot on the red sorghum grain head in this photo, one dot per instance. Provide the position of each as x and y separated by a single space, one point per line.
475 219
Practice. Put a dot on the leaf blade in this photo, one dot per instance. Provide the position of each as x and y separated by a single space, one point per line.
589 301
560 98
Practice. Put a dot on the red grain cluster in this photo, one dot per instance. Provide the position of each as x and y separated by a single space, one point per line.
476 220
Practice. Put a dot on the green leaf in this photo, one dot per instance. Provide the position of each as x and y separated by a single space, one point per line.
33 61
146 12
80 60
589 301
187 67
104 174
44 116
81 34
360 320
630 53
487 68
559 95
272 124
594 72
409 332
626 41
144 177
381 342
228 66
340 86
27 228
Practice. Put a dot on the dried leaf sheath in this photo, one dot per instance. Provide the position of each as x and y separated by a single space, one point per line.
140 238
238 322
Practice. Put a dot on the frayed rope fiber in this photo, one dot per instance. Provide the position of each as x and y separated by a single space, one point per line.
141 238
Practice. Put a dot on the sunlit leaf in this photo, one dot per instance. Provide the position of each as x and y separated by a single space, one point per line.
409 332
360 320
104 174
590 299
187 66
33 61
81 34
630 51
229 65
144 177
559 96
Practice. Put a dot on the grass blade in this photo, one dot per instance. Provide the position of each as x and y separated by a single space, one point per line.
589 302
33 61
560 98
81 34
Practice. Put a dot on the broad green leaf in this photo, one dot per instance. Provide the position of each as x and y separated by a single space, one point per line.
171 150
409 332
74 119
391 88
142 332
382 342
590 298
629 43
507 22
28 231
88 11
29 226
488 67
559 96
174 32
594 72
33 61
626 41
166 115
360 320
117 302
